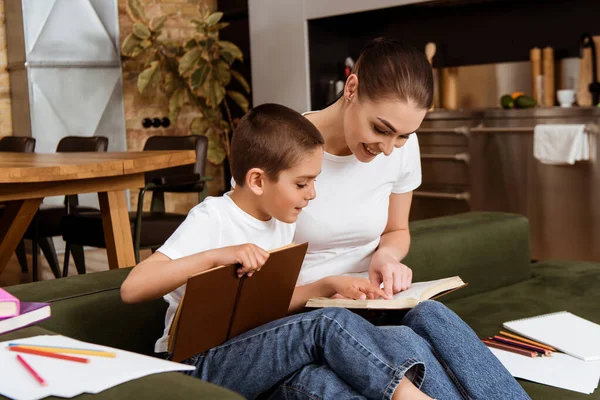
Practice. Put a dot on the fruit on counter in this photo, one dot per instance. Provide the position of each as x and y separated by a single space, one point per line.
515 95
507 102
525 102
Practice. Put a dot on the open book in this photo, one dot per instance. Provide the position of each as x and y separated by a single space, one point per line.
418 292
218 305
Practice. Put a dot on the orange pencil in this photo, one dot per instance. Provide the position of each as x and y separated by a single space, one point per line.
31 370
48 354
522 339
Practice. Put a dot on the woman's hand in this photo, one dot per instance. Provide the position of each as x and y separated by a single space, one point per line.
350 287
386 269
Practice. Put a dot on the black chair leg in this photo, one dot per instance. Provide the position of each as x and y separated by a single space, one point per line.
34 260
49 251
22 256
79 257
65 270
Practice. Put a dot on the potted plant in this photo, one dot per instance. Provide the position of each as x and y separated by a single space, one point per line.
196 71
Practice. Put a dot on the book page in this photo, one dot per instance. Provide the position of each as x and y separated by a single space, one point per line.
418 291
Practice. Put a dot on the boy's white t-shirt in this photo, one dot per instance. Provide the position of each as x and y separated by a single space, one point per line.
344 223
217 222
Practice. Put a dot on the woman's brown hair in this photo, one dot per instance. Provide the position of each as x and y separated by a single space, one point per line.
389 69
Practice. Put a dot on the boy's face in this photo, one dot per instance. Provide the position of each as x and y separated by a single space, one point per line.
285 199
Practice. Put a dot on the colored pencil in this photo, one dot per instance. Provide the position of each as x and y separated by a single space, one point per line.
526 346
31 370
511 349
67 350
43 353
522 339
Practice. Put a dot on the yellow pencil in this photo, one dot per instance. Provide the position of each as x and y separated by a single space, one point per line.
67 350
522 339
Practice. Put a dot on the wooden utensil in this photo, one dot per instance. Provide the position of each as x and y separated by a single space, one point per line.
430 49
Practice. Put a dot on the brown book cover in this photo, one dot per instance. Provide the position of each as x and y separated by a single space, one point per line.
218 305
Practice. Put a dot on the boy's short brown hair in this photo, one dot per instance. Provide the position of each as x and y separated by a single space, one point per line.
271 137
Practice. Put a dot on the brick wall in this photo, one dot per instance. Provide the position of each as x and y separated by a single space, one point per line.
5 110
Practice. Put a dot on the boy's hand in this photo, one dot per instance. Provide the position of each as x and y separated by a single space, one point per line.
356 288
250 256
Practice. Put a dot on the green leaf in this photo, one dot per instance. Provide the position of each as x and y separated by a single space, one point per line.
141 31
190 44
199 126
238 77
214 18
216 151
171 83
215 92
224 125
188 60
228 47
148 76
199 75
144 44
137 51
208 43
135 9
221 72
157 23
239 99
129 44
176 101
228 58
219 26
197 22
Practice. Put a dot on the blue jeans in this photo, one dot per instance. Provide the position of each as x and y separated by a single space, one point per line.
334 354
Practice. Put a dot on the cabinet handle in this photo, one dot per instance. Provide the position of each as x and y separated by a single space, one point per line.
466 196
454 157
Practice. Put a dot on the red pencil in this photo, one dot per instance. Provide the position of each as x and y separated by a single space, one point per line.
511 349
31 370
48 354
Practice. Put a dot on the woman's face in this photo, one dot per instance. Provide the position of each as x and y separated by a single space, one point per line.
372 128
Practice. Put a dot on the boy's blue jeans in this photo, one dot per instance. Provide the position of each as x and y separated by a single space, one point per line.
334 354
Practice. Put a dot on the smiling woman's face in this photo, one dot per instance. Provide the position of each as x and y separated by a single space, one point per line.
372 128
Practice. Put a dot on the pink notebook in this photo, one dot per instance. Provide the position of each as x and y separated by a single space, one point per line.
9 304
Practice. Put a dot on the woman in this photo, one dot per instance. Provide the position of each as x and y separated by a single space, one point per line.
359 219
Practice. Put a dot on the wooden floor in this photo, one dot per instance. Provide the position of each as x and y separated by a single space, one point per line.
95 260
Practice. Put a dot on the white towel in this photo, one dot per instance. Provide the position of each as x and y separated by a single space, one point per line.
560 144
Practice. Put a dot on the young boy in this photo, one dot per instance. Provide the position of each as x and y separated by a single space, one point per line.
276 154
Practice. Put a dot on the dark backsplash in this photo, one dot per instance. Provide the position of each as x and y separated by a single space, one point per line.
466 33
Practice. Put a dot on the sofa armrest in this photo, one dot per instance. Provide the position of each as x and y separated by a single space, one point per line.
89 307
488 250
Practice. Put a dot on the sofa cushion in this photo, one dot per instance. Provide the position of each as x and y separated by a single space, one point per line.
555 286
89 307
488 250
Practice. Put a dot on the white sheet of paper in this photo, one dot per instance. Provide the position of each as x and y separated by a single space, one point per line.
560 370
69 379
564 331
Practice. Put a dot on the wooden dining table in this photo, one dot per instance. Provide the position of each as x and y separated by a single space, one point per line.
26 178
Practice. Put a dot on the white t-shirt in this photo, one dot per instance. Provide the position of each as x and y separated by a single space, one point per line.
217 222
344 223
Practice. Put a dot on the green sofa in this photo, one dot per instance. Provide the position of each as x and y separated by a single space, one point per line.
490 251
